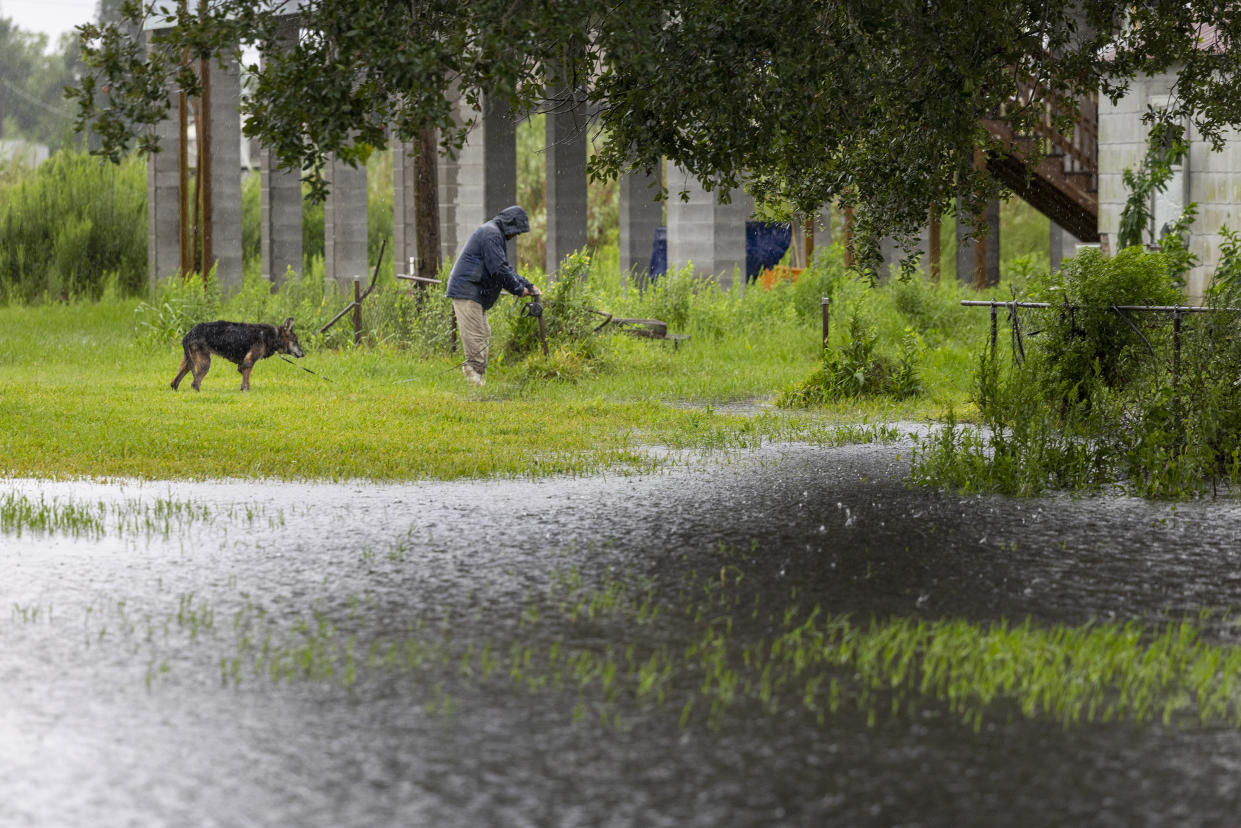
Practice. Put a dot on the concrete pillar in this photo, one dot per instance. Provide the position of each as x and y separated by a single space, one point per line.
704 231
893 253
640 214
163 202
404 214
281 217
965 248
226 172
566 176
447 175
344 224
482 180
1063 245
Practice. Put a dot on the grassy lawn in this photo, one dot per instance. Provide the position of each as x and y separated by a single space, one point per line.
82 395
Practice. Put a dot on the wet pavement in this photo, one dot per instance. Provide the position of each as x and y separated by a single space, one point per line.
133 690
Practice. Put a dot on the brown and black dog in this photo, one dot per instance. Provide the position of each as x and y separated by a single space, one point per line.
241 342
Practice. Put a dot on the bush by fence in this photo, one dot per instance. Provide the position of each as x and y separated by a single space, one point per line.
1090 396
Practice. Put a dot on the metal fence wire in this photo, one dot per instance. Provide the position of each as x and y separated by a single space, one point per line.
1178 314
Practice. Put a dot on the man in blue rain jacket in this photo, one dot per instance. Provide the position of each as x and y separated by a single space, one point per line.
481 271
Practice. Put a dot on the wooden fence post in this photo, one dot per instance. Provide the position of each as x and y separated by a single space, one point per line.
357 310
827 304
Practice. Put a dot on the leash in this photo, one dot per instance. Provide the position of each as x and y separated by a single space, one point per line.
307 370
533 309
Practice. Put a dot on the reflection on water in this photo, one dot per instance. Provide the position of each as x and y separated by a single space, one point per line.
270 653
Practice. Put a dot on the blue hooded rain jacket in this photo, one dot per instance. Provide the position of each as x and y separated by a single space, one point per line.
482 269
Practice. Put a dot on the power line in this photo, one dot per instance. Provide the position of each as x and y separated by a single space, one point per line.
26 96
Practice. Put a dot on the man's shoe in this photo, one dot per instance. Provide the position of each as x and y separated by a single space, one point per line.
472 375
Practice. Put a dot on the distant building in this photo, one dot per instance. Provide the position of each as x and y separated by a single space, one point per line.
24 152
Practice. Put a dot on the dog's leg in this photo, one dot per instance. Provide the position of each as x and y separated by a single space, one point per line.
247 365
182 371
201 359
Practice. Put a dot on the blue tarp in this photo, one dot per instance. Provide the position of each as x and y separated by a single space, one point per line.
659 253
765 245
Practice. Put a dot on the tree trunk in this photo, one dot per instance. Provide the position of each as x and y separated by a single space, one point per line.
427 205
808 239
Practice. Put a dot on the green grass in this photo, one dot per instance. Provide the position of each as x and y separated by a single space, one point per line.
80 396
84 386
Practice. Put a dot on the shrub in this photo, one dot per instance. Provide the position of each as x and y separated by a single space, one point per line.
72 226
1100 400
933 310
569 303
668 298
1086 342
856 369
175 306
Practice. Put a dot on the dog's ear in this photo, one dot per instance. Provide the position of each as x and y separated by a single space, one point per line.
288 324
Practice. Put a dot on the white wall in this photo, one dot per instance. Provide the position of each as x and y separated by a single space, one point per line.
1213 178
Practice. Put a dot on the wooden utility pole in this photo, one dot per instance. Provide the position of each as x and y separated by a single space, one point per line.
808 239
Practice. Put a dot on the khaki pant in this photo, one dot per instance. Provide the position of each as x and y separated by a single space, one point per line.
475 333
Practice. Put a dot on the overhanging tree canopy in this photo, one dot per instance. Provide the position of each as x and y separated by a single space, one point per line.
874 102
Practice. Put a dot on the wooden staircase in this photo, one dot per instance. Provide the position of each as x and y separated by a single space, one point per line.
1064 186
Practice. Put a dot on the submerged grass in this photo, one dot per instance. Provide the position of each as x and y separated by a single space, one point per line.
19 513
22 514
613 647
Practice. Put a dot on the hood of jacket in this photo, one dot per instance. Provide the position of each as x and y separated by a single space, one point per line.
512 220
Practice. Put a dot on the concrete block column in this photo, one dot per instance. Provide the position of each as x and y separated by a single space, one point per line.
705 231
640 214
344 224
893 253
482 180
226 172
164 202
280 233
1062 245
404 214
965 248
566 176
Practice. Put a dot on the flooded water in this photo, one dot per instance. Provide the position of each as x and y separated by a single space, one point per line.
266 653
